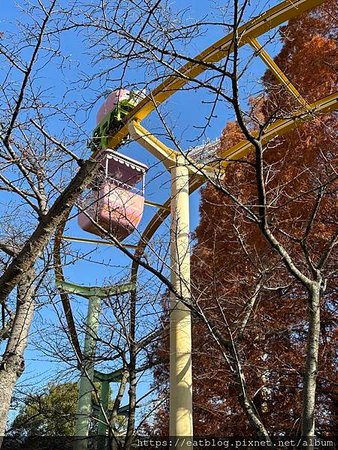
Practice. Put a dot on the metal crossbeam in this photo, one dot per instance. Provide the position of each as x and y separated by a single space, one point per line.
114 376
96 241
95 291
278 73
168 156
281 127
238 151
141 135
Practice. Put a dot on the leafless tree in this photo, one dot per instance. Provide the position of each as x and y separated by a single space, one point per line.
35 173
124 36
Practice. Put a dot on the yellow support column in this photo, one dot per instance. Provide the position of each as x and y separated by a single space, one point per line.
181 423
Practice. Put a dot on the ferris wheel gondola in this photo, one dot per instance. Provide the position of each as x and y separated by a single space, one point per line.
115 201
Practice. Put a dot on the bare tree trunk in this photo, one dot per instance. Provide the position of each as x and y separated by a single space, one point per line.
33 247
12 364
132 373
244 398
311 365
116 443
235 366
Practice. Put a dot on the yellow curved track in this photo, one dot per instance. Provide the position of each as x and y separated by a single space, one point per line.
249 31
247 34
238 151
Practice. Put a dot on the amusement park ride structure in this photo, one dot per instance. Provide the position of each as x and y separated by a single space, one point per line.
116 203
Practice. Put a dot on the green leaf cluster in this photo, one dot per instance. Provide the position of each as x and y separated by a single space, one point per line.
51 413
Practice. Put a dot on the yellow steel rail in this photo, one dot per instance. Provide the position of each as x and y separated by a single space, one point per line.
279 74
165 154
247 35
283 126
243 148
254 28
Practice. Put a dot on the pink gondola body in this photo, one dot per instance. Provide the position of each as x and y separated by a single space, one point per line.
115 209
